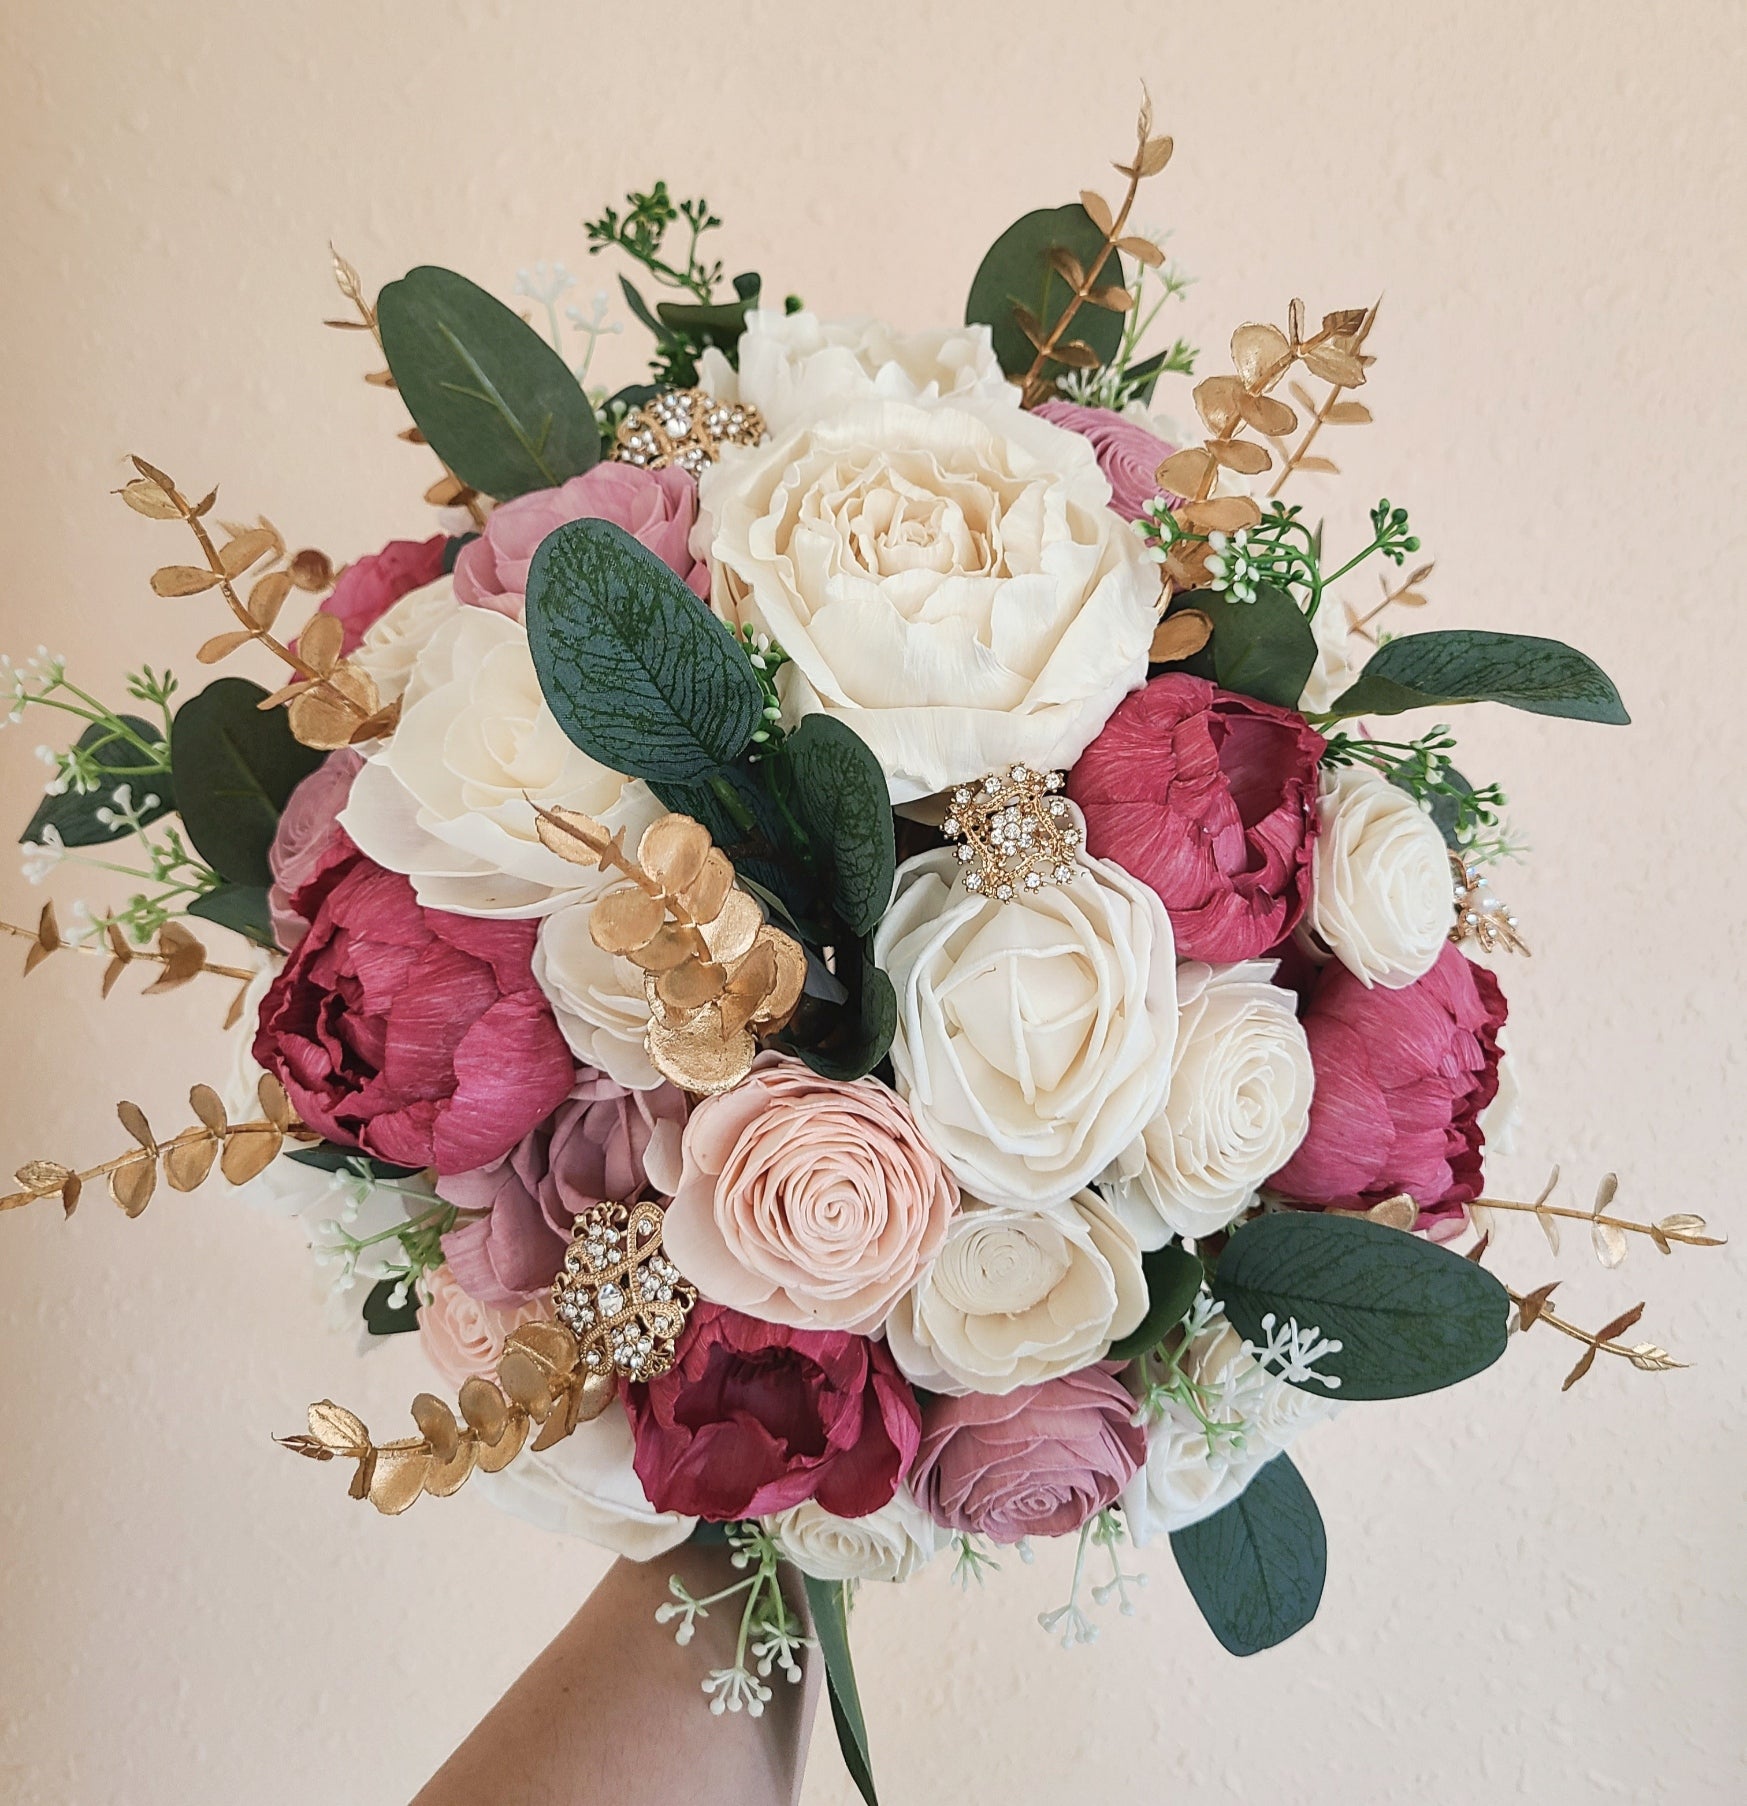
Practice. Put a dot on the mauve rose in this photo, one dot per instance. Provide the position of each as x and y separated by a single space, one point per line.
1401 1079
369 587
602 1143
1128 454
1209 798
417 1036
308 840
1036 1462
656 507
755 1417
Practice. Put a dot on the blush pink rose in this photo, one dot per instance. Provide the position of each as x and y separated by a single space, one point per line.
1210 798
1127 453
807 1201
1401 1080
369 587
603 1143
656 507
417 1036
309 839
1036 1462
463 1338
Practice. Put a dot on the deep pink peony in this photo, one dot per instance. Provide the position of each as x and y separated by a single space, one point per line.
603 1142
1401 1079
1210 798
1128 454
756 1417
1036 1462
656 507
309 839
417 1036
369 587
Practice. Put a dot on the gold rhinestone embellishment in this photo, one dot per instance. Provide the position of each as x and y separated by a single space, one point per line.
685 427
619 1294
1480 916
1018 832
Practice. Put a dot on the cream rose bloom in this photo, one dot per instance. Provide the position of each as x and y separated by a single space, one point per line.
1035 1037
445 799
797 366
1380 895
1334 673
1018 1296
889 1544
949 581
1190 1472
392 644
1237 1107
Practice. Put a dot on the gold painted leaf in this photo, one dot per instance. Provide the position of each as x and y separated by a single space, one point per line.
1260 354
1334 365
1620 1324
671 945
1110 296
1398 1212
133 1182
525 1382
625 919
1242 455
595 1392
572 835
312 571
336 1428
1219 514
482 1408
1585 1361
1180 636
222 645
495 1456
705 894
1267 415
1076 354
1348 413
184 957
186 1163
1549 1228
437 1424
1154 155
1142 248
205 1104
144 496
749 986
695 1054
790 979
673 850
247 548
1185 472
133 1119
691 986
1067 266
551 1344
275 1105
1532 1306
1318 466
398 1477
734 929
319 713
320 642
1098 210
43 1177
267 597
446 1476
248 1152
182 580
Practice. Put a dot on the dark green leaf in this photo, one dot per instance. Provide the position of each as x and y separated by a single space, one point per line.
1263 648
384 1319
1411 1317
453 547
841 798
496 402
846 1040
1017 272
641 309
234 767
74 816
1256 1567
638 672
829 1602
1146 373
239 907
1173 1277
328 1157
1445 804
1429 670
717 323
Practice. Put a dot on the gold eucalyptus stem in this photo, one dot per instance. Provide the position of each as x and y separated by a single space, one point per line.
1692 1240
1336 390
1035 382
157 959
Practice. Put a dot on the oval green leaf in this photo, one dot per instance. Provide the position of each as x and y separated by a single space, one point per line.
73 814
839 792
1430 670
1173 1278
829 1603
242 908
1265 648
1017 272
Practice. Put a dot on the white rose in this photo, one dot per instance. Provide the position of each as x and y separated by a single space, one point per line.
796 366
392 644
1237 1108
888 1544
598 997
1333 673
948 580
586 1486
1034 1037
1380 895
446 798
1017 1296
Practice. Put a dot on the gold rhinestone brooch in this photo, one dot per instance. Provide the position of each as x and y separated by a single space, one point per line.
619 1294
685 427
1016 830
1480 916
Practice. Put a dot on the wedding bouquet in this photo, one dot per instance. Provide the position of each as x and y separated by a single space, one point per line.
848 944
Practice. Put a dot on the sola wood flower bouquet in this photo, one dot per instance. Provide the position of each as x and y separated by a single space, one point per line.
848 944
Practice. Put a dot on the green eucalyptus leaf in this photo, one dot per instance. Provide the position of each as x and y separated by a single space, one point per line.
1017 272
1410 1316
242 908
384 1319
1173 1278
1430 670
829 1602
637 671
839 793
846 1039
330 1157
235 765
1264 648
1256 1567
496 402
73 815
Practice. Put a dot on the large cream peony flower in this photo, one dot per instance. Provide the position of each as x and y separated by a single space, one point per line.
949 580
1034 1037
1017 1296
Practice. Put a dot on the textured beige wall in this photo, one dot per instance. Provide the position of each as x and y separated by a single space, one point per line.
1530 1596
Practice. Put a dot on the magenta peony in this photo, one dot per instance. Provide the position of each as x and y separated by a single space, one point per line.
1036 1462
1128 454
1209 798
308 840
1401 1079
656 507
369 587
754 1418
417 1036
602 1143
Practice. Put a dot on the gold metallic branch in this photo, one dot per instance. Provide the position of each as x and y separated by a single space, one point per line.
180 953
1607 1232
1331 411
1532 1308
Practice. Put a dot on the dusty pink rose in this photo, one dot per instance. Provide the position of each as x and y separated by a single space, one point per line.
806 1201
656 507
1210 798
1036 1462
461 1336
602 1143
1401 1080
309 839
1128 454
418 1036
369 587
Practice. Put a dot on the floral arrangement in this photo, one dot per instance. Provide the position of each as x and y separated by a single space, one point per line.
847 943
